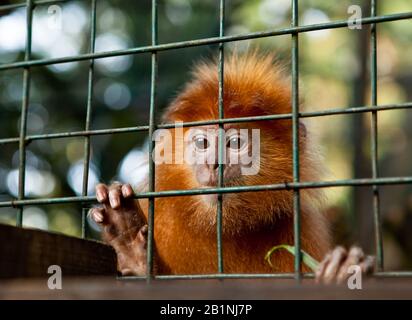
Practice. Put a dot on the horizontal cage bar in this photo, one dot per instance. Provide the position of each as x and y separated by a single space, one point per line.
206 41
238 189
8 7
311 114
305 275
296 185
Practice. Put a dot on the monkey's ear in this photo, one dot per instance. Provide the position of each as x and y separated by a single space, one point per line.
302 129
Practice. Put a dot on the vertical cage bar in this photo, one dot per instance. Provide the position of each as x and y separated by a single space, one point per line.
221 143
86 164
24 111
150 236
295 138
374 142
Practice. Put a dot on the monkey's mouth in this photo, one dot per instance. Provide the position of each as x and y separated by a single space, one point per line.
212 198
228 181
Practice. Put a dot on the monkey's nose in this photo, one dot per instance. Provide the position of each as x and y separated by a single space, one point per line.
213 174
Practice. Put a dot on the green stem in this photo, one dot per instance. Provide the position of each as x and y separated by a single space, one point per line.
306 258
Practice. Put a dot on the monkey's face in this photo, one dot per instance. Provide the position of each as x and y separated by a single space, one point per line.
251 155
237 159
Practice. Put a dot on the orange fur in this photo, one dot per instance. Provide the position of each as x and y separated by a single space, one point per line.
253 222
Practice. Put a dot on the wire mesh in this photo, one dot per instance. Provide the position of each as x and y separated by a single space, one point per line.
296 185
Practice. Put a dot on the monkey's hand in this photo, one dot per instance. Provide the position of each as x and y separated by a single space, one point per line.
123 226
337 266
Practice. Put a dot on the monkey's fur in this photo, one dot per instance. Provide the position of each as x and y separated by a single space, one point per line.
253 222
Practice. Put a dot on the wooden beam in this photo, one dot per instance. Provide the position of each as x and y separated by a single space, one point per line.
28 253
110 288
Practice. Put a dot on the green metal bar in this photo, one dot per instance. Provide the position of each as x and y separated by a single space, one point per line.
305 275
296 185
49 2
24 111
86 164
221 276
151 213
221 144
338 111
9 7
374 143
237 189
393 274
295 140
207 41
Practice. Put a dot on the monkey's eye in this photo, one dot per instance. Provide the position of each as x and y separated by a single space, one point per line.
201 143
235 143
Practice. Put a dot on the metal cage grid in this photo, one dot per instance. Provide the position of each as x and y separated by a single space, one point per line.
296 185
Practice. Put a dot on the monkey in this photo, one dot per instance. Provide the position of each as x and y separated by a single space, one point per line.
254 84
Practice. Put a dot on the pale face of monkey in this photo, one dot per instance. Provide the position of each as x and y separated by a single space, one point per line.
203 154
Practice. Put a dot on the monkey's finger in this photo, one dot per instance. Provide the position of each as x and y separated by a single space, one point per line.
123 209
140 251
97 214
144 230
127 190
338 255
124 264
141 237
127 272
322 267
101 193
115 195
368 264
355 257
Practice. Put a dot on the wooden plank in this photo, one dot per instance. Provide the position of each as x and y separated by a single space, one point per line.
110 288
28 253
